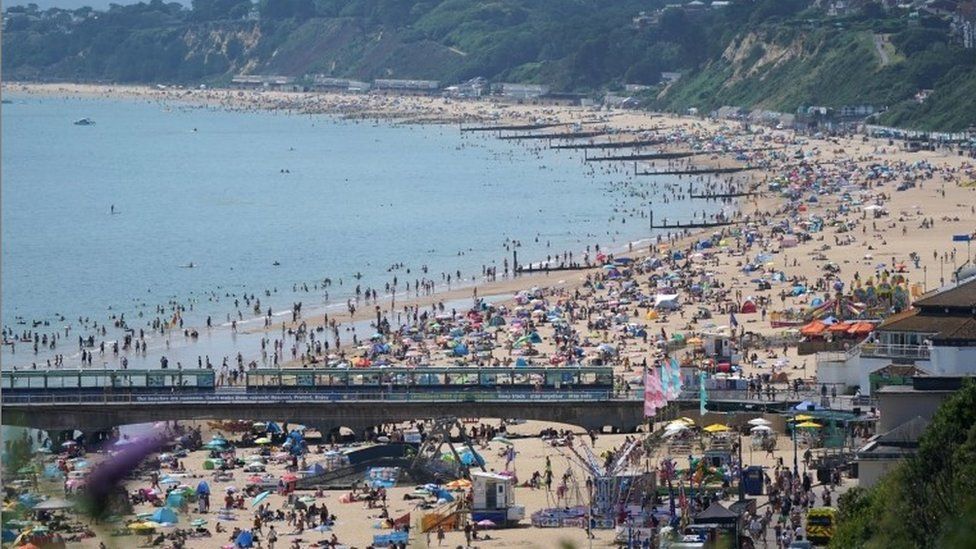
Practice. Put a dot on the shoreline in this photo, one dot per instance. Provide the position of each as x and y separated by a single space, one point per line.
235 101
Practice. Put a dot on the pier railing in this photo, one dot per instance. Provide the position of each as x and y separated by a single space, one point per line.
293 397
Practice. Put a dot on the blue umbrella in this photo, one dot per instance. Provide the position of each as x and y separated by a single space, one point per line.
273 427
260 497
203 488
245 539
8 535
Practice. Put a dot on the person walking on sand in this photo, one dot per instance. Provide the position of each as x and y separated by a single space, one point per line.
440 535
272 537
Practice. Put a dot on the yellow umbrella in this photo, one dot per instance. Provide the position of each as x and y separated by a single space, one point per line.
716 428
690 422
145 525
694 341
802 417
263 440
809 425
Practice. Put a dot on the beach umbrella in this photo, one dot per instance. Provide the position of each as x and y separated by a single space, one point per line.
759 421
486 523
802 417
203 488
716 428
262 441
677 426
245 539
260 497
809 425
502 440
460 484
8 535
761 428
198 523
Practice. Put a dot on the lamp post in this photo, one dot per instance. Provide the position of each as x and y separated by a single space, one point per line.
796 465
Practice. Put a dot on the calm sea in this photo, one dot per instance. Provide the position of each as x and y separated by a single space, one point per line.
261 201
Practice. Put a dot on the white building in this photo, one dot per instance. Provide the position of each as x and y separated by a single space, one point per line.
937 335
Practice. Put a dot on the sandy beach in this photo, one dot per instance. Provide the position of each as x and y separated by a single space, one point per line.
866 228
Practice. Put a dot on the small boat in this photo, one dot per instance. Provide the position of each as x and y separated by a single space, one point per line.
84 122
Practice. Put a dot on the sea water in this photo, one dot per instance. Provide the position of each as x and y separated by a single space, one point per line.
259 202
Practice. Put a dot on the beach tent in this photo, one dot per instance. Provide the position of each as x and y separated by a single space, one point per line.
174 499
164 515
747 307
666 301
471 458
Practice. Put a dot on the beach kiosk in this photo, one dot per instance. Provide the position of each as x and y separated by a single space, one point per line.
493 498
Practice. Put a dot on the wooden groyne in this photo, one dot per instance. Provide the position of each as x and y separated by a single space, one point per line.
565 135
609 144
694 225
717 196
513 127
644 156
544 269
701 171
672 155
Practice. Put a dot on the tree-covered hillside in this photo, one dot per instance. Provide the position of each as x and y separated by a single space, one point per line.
778 54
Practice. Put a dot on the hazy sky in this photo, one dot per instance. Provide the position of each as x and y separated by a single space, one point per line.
75 4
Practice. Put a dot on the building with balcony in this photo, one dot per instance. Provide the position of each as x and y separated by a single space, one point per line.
937 335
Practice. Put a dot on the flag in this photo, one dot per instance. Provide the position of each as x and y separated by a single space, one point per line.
665 381
649 408
733 321
702 394
675 377
653 397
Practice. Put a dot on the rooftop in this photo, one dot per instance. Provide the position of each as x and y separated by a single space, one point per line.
960 296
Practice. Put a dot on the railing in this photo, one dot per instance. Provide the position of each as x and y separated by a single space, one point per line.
883 350
838 356
308 397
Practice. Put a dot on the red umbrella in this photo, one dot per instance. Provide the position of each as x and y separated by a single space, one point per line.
289 477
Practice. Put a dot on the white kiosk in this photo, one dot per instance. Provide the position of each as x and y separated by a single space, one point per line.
494 499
